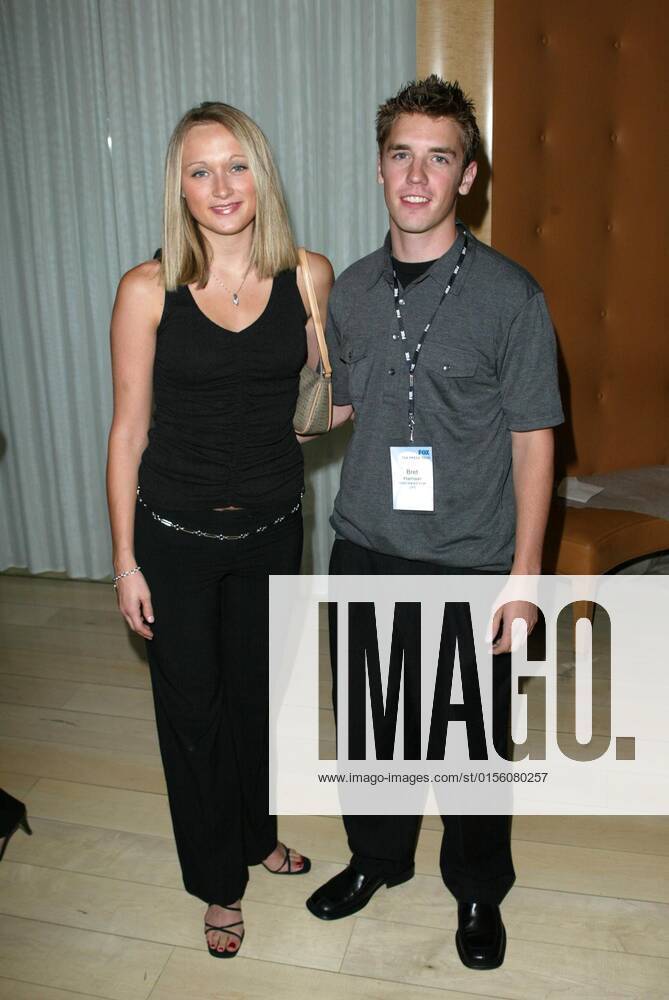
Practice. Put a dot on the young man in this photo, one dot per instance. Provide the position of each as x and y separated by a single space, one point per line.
438 341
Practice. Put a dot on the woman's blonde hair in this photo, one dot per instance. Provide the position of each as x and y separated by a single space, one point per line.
186 253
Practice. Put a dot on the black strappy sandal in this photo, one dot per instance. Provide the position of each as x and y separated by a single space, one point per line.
306 865
214 952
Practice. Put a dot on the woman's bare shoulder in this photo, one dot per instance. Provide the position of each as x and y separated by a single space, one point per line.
142 282
320 267
144 276
141 291
322 276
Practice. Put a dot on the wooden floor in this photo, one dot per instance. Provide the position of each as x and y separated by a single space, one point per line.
92 904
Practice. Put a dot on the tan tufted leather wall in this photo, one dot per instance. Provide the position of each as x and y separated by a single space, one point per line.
580 198
459 46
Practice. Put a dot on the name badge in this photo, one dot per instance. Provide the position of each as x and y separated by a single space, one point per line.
413 481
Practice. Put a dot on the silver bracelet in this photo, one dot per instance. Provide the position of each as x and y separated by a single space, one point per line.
128 572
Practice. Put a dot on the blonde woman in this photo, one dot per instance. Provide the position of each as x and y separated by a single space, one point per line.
205 503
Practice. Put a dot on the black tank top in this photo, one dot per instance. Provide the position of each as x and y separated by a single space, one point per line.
222 429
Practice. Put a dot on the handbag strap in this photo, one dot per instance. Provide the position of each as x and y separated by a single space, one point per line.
315 311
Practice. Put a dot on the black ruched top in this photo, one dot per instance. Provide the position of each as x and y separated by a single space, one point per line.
222 432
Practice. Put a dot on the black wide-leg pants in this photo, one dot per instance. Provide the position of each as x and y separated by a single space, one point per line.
209 673
475 859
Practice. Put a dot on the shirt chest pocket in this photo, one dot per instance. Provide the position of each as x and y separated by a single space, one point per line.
357 357
444 378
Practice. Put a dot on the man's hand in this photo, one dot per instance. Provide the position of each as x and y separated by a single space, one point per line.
517 599
509 638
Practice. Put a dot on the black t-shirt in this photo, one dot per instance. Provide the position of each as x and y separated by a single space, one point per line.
407 271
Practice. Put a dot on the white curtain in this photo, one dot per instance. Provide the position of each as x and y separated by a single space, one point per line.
90 91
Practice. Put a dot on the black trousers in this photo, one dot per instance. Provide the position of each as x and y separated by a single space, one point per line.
475 857
209 673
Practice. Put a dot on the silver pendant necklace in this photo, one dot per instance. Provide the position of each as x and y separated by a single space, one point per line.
231 291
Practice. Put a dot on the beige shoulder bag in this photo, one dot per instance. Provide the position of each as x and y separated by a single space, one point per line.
313 413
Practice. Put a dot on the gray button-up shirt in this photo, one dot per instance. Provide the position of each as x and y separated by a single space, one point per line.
487 367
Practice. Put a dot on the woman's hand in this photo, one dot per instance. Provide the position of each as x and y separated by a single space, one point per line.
134 601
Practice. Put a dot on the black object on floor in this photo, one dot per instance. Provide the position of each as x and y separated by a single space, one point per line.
12 816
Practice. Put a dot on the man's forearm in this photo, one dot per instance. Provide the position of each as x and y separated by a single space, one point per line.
533 485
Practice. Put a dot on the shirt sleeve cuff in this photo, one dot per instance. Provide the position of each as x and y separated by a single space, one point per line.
535 423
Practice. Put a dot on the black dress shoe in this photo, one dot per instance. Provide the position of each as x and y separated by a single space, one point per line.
350 891
480 937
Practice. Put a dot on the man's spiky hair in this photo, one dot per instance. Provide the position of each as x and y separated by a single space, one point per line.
438 99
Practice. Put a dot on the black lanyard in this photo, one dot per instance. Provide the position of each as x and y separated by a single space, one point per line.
412 362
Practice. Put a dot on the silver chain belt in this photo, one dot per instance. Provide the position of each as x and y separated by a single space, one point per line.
210 534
